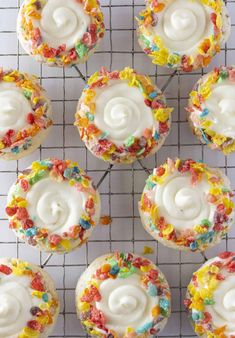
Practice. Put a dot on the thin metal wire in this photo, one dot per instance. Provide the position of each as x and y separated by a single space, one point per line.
111 52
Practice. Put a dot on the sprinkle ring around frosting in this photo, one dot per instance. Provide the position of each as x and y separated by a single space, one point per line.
210 299
29 304
183 34
186 205
211 111
122 116
25 114
123 295
53 205
60 32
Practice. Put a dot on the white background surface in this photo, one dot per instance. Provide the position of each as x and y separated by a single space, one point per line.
122 188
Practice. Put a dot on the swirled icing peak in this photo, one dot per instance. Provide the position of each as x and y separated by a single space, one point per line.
183 204
55 205
183 24
63 23
125 304
211 295
121 112
180 205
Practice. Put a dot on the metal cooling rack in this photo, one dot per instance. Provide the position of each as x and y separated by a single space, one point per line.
120 186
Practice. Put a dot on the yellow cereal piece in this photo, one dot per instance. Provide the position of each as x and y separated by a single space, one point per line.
145 268
8 78
147 250
173 59
156 311
161 57
199 229
199 329
66 244
94 78
44 320
27 333
37 294
126 74
205 91
214 269
215 191
83 307
162 114
229 149
219 139
71 183
168 230
205 293
36 166
23 204
206 124
210 132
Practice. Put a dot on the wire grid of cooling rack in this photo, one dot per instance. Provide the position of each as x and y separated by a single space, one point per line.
120 186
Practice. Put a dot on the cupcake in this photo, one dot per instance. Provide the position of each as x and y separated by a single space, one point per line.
29 304
186 205
25 114
183 34
210 298
211 109
123 295
59 32
122 116
53 206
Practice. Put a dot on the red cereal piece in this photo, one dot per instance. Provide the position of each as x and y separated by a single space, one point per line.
153 275
231 267
22 213
30 118
24 184
160 171
35 325
28 224
6 270
11 211
55 239
97 317
90 203
37 284
92 295
226 254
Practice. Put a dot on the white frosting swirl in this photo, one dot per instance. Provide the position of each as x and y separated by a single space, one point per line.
223 311
121 112
125 303
62 22
15 304
182 204
14 108
221 106
183 24
55 205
